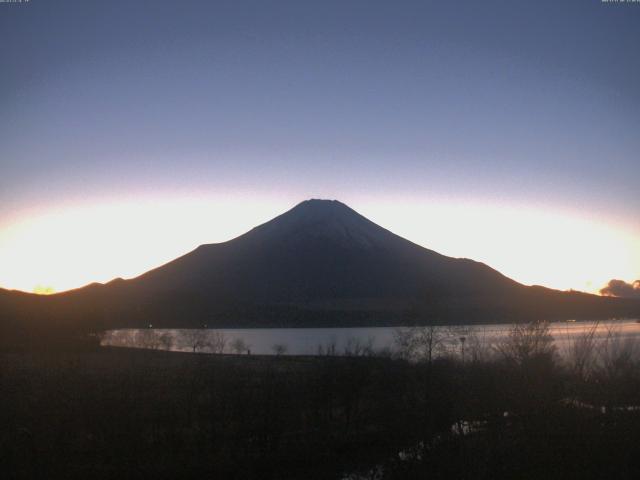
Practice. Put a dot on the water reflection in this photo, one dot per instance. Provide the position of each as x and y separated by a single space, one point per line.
455 340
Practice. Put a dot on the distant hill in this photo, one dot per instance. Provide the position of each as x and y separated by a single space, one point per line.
319 264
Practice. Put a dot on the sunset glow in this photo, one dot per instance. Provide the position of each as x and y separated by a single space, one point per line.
132 136
67 248
320 239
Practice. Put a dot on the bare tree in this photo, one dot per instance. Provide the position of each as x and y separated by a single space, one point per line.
607 367
279 349
477 348
526 342
357 348
329 349
452 341
581 352
196 339
617 353
218 342
238 345
420 343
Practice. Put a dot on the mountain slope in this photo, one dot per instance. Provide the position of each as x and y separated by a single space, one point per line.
319 264
318 251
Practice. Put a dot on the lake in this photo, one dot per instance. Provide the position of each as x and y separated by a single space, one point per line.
355 341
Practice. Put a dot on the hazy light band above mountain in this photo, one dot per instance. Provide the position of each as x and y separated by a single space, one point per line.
132 134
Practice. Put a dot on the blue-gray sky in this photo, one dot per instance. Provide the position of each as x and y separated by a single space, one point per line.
530 103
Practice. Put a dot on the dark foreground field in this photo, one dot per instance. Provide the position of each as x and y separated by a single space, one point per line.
147 414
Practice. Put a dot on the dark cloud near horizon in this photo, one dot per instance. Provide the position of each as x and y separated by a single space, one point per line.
620 288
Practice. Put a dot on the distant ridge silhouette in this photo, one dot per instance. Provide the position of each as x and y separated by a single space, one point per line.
319 264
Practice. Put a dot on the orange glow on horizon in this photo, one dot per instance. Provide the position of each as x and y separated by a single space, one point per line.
558 250
42 290
68 248
72 247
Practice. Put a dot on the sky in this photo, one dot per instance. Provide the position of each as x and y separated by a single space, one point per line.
503 131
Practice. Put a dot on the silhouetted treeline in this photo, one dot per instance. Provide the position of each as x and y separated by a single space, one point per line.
153 414
25 318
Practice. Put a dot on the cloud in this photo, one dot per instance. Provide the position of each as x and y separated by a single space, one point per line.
620 288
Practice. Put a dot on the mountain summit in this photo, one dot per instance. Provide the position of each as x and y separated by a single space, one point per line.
319 264
323 220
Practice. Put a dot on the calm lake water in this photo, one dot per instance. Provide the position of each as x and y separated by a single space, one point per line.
338 341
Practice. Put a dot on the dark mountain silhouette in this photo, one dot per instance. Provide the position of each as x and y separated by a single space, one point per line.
319 264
